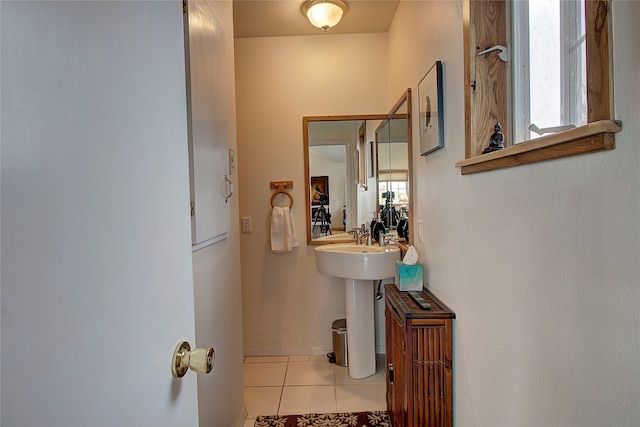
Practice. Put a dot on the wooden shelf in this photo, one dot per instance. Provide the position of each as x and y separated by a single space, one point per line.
595 136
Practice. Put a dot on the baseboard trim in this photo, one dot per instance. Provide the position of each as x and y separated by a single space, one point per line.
291 351
243 416
296 351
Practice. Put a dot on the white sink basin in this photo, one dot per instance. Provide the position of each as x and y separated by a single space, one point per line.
359 266
351 261
337 238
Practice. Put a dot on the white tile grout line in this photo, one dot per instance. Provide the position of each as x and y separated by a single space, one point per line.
284 381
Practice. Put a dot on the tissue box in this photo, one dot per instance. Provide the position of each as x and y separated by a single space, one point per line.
408 277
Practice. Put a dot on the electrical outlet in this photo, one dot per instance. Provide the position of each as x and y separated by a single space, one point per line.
420 231
246 224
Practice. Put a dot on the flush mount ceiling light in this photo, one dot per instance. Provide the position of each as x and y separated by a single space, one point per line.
324 13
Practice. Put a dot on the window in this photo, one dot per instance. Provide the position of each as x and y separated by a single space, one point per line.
548 68
570 89
393 201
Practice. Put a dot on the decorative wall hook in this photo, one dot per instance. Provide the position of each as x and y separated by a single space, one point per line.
503 55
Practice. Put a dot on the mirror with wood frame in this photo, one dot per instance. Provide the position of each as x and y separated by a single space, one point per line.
342 163
340 179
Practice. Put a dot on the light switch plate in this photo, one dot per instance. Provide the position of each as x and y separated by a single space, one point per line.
246 224
232 162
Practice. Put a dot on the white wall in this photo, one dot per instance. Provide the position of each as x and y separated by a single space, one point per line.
341 190
367 199
539 262
287 306
216 271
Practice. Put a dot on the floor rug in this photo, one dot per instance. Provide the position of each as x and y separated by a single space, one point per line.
347 419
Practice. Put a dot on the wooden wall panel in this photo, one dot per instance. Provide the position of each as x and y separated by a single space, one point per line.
485 75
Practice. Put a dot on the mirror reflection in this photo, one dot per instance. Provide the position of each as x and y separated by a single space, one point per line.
357 170
339 167
393 142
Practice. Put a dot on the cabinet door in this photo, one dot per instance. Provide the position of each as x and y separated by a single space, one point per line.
208 123
396 374
429 371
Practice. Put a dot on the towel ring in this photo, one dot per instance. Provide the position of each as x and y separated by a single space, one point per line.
281 190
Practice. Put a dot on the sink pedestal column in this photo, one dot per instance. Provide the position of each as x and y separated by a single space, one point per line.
361 336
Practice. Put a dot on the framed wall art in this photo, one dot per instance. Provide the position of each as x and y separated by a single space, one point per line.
431 114
319 190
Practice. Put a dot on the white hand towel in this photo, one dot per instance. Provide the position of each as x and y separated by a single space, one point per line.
283 231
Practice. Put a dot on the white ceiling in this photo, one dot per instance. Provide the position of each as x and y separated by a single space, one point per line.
332 153
272 18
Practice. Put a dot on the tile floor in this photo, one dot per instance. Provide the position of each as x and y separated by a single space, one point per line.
281 385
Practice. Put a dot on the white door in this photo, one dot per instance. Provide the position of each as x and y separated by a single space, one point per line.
96 240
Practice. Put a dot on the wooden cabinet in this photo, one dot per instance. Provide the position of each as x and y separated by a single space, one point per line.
419 354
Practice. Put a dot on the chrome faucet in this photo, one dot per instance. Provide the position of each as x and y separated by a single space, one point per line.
384 240
356 235
362 236
361 233
365 233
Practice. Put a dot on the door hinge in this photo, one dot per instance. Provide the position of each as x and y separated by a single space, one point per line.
391 376
185 7
193 209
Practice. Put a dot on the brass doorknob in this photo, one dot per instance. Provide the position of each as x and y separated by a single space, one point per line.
199 360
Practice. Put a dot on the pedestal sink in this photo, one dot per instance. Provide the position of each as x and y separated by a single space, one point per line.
359 265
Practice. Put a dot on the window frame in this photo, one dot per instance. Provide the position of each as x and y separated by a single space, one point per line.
485 25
